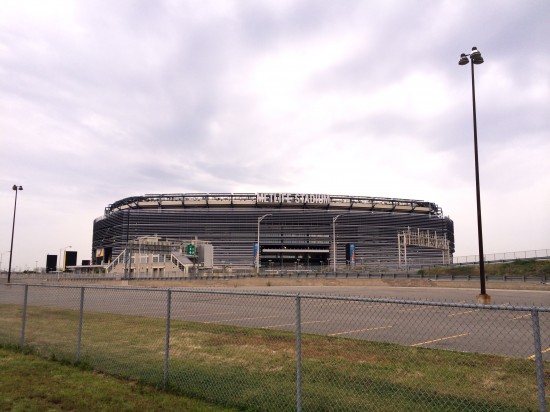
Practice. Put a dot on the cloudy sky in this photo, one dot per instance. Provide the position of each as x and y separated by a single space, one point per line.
101 100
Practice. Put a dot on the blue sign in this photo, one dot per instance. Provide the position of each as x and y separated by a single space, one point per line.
256 254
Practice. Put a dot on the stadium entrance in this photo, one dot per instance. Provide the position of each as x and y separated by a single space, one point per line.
293 256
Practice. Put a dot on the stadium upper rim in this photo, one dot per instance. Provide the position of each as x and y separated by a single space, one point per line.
275 200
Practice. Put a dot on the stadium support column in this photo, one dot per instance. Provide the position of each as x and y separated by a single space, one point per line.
476 58
334 219
257 258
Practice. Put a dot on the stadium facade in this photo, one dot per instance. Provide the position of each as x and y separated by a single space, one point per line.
293 229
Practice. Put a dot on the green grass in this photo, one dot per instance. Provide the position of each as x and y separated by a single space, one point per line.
255 369
527 267
31 383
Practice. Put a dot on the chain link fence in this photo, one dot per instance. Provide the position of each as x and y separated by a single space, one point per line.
276 351
342 273
504 256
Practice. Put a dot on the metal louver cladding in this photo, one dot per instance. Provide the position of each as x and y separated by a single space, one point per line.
298 231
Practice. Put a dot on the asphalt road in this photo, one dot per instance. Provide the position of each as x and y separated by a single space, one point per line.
448 326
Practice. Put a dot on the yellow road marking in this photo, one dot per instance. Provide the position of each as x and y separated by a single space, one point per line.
412 310
359 330
532 357
341 302
522 316
292 324
463 313
440 339
208 314
232 320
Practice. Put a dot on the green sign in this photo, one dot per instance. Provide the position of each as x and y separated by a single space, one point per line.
190 250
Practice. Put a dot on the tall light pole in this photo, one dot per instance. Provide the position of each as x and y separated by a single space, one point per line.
476 58
334 219
127 254
258 257
17 189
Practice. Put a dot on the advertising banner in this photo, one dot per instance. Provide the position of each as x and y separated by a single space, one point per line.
256 254
350 254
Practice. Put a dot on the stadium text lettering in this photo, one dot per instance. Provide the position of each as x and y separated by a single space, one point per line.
292 198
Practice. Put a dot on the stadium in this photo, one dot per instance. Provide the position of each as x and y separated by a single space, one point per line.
282 230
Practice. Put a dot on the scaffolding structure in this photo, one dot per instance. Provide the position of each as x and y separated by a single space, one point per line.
422 239
152 256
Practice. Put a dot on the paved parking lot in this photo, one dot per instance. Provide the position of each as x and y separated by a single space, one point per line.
453 325
440 294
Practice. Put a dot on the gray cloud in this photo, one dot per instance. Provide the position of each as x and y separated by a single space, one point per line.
104 100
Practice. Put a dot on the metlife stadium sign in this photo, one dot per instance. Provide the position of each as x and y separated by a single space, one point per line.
292 198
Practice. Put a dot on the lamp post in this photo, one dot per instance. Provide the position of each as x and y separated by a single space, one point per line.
334 219
16 188
127 254
258 257
476 58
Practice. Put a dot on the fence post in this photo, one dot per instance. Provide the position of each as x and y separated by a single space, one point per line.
81 315
24 317
539 365
167 343
298 353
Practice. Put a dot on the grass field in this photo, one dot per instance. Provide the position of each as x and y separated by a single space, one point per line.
527 267
255 369
31 383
